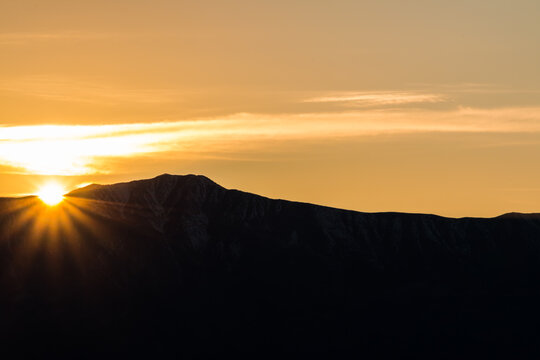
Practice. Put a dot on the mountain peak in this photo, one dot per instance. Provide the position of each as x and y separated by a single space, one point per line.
163 179
160 190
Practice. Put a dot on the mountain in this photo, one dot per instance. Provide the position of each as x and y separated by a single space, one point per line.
178 266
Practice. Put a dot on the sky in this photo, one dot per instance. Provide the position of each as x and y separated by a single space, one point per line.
411 106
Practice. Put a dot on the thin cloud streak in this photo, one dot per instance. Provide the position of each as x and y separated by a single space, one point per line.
67 36
17 38
380 98
72 90
77 150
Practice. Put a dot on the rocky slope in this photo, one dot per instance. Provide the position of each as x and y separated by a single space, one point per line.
180 266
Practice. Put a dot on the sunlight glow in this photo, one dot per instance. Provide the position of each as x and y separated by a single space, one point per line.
51 194
90 149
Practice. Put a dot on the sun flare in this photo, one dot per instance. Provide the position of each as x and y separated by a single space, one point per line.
51 194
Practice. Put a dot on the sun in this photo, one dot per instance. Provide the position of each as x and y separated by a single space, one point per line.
51 194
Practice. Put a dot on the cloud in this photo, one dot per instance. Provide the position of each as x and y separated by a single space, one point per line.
77 150
17 38
72 90
379 98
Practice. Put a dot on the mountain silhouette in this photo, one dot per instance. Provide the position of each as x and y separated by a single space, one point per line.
178 266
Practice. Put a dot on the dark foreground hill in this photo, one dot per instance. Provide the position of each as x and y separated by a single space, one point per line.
178 266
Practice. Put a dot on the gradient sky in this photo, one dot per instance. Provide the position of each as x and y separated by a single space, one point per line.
414 106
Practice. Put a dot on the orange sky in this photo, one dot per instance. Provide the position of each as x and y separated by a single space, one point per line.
417 106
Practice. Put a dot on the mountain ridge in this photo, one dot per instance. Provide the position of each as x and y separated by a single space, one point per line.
179 266
86 190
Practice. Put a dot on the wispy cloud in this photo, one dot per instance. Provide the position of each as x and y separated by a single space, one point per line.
74 90
67 36
473 88
15 38
379 98
75 150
